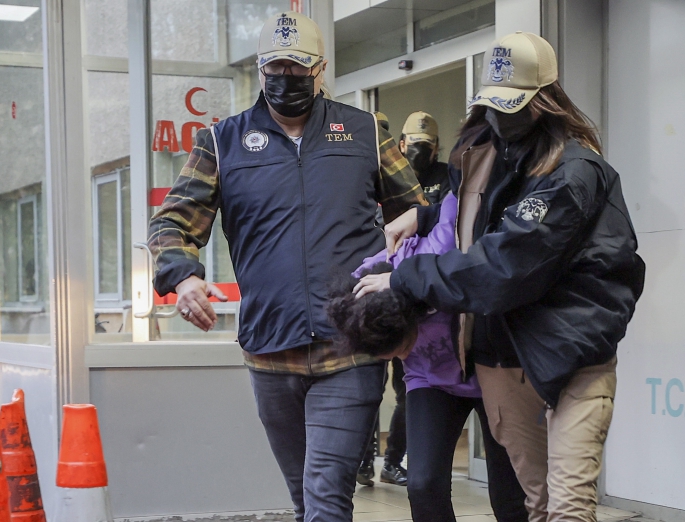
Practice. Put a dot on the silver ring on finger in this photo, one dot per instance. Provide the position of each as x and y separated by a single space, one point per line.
185 312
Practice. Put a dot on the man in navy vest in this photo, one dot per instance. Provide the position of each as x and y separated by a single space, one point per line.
298 179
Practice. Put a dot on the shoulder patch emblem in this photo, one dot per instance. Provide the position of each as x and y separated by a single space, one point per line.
532 208
255 140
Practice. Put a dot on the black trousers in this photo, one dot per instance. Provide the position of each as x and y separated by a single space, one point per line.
435 420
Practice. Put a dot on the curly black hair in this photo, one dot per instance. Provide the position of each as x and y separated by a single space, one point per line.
377 323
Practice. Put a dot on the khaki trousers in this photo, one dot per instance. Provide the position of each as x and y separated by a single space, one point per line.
557 454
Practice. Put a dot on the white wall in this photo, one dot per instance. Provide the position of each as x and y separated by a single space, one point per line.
184 440
645 455
517 15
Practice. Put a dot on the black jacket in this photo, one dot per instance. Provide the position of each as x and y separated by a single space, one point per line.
556 272
435 182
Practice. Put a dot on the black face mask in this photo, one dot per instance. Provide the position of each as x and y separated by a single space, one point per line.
419 156
510 127
290 96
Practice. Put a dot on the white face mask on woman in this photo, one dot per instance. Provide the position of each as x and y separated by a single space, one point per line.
511 127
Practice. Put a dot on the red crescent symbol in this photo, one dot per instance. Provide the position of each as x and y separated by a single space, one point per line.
189 101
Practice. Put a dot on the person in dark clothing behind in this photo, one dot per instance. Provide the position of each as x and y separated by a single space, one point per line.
420 144
546 274
298 179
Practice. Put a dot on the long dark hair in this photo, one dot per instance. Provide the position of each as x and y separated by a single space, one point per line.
559 119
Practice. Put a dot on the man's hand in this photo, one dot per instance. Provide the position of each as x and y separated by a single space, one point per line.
400 229
372 283
193 302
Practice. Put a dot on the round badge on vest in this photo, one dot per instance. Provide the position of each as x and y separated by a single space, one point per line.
255 140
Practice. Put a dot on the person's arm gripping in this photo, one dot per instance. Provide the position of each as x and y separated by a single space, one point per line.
519 262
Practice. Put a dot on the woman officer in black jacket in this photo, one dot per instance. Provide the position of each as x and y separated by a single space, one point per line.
545 279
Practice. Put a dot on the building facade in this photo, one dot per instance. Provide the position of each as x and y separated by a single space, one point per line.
99 102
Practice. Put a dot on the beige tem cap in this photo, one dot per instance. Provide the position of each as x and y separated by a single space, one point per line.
515 67
291 36
420 126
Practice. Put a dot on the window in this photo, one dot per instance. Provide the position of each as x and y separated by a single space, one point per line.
111 218
27 234
463 18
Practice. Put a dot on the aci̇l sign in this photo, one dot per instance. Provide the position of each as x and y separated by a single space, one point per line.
165 131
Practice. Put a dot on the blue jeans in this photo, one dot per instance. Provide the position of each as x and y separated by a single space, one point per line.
317 428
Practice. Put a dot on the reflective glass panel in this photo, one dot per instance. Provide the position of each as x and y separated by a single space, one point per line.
463 18
245 20
27 233
112 14
187 31
20 26
107 204
109 142
356 54
477 71
24 294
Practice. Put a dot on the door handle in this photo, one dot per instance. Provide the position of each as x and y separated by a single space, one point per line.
148 256
152 309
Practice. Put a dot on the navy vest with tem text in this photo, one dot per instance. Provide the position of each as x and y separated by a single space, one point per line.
290 219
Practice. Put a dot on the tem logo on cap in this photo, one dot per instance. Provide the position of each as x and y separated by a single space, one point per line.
500 67
255 140
286 34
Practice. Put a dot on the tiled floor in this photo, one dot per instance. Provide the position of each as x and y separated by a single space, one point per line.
386 503
389 503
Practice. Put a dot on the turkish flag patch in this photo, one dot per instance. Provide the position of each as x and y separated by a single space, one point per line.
337 127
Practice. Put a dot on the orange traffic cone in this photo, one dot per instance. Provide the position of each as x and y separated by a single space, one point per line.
4 495
81 470
19 462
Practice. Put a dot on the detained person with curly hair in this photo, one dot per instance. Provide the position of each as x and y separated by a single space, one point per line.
441 391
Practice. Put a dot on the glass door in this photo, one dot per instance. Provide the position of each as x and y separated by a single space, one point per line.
444 96
163 70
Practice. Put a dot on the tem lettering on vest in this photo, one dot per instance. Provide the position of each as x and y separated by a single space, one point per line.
339 137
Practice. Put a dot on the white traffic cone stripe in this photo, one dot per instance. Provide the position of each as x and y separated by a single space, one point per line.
83 505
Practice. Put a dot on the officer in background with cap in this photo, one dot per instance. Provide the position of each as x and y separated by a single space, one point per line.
298 179
420 144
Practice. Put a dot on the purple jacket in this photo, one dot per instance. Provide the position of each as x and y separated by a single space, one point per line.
432 363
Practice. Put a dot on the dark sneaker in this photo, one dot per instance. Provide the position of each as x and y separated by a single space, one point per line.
365 473
394 474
